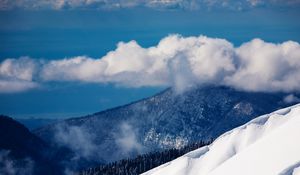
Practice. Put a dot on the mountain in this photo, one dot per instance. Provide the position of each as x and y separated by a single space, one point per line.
34 123
166 120
21 152
267 145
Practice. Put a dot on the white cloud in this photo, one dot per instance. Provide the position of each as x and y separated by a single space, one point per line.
75 69
21 69
17 74
175 61
267 67
180 62
155 4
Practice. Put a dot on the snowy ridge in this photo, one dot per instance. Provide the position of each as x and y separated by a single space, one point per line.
267 145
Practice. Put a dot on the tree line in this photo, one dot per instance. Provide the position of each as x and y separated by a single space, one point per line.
142 163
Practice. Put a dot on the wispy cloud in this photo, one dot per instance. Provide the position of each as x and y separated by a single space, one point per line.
78 139
180 62
12 86
11 166
154 4
291 99
127 140
82 146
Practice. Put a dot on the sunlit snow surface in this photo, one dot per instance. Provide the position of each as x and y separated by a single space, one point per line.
267 145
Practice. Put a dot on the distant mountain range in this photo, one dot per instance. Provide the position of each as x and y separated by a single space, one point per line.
166 120
35 123
267 145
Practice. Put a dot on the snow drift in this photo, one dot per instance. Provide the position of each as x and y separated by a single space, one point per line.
267 145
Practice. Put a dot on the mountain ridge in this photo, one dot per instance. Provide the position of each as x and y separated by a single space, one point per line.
163 121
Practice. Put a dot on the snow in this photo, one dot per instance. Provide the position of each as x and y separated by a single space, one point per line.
267 145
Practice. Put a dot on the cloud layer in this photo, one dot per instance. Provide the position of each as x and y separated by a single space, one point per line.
179 62
154 4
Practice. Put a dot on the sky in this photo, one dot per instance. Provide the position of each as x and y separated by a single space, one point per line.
70 58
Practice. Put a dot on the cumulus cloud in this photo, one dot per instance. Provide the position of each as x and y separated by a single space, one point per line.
155 4
267 67
17 74
21 69
179 62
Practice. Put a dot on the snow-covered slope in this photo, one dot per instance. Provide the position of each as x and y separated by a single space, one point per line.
267 145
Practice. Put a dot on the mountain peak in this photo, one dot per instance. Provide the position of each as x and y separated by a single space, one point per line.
163 121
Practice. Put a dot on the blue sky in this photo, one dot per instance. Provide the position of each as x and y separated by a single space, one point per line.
52 34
